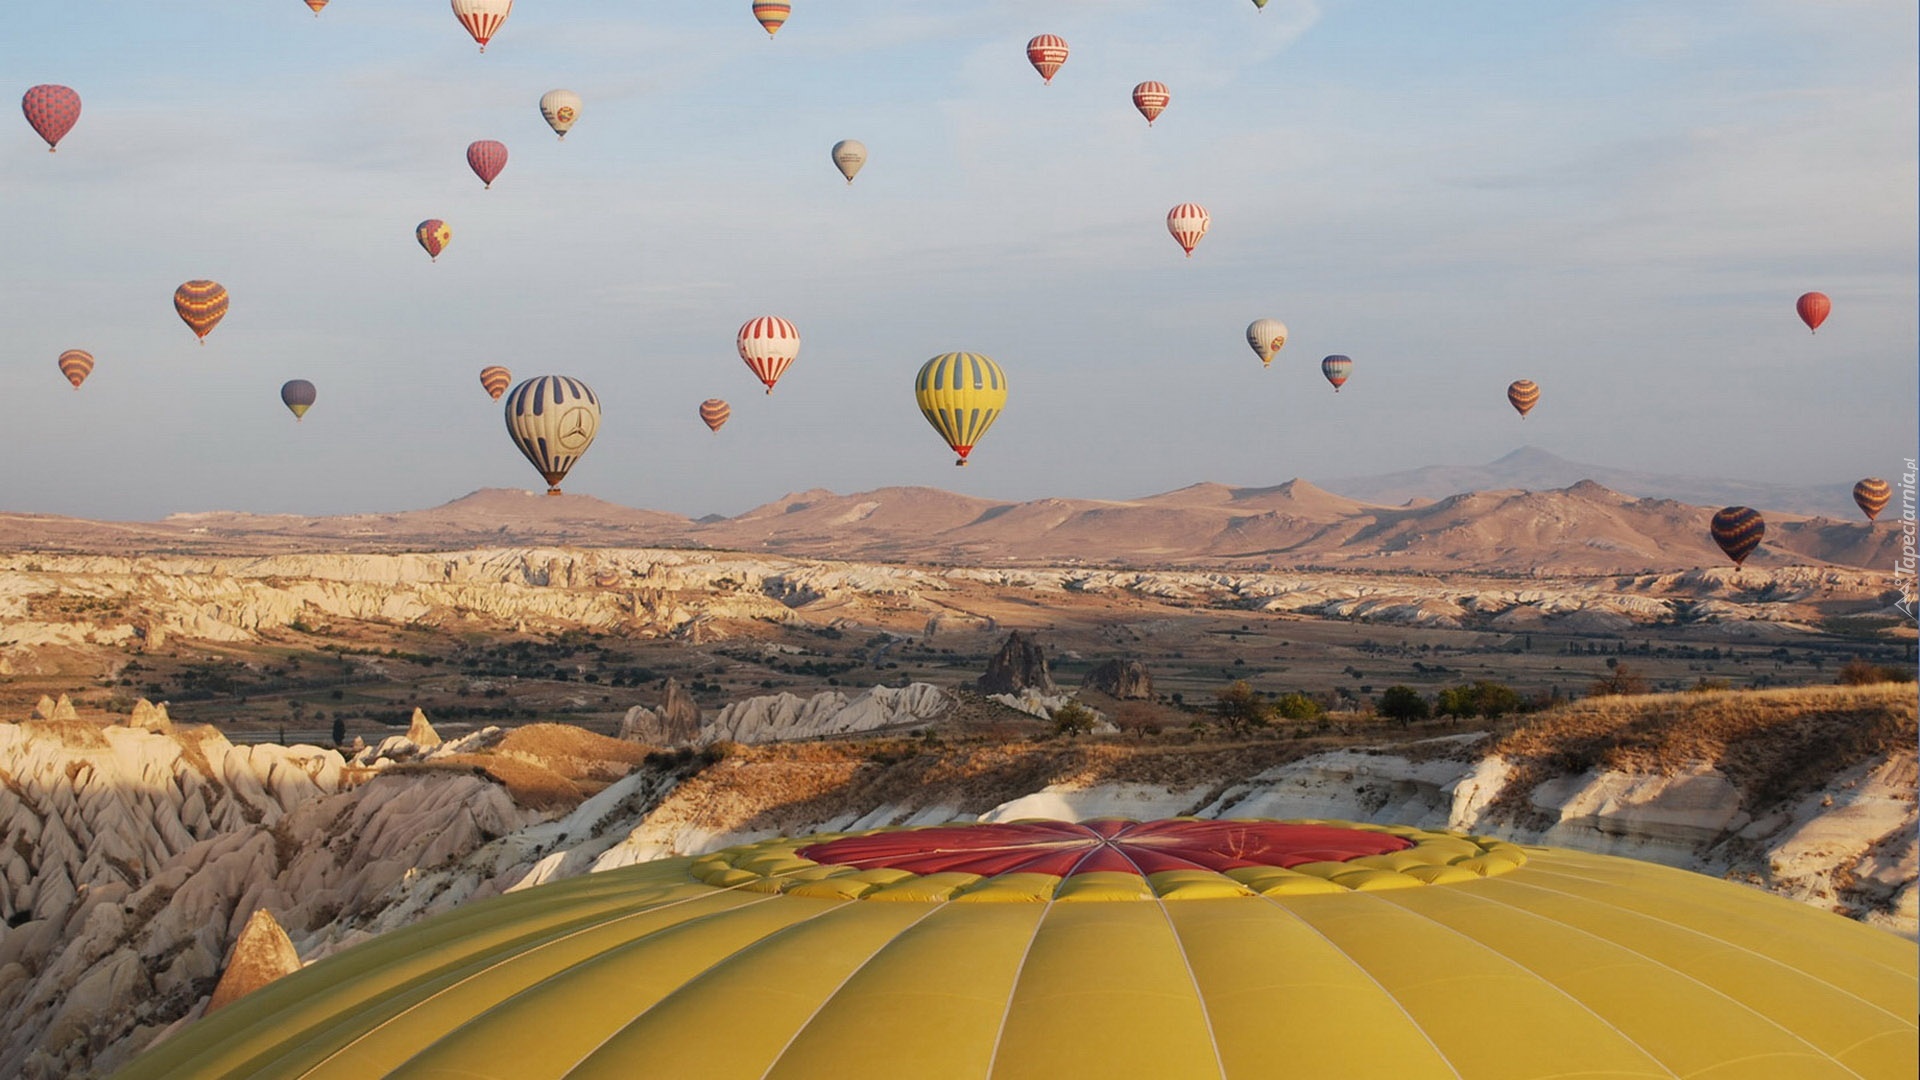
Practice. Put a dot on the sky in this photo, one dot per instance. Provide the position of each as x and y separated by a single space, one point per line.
1618 200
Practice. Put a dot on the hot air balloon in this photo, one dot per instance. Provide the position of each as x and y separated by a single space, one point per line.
1261 4
1046 53
1151 99
961 395
77 364
553 420
1266 336
52 110
1813 308
1336 368
495 379
768 344
1242 948
482 18
561 108
1188 223
1738 530
201 304
714 412
316 5
848 156
297 395
772 14
1870 495
1522 394
434 236
486 158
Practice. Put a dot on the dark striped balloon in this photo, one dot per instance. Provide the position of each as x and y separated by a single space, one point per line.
1871 496
486 158
553 419
1738 530
297 395
1336 368
77 364
1522 394
201 304
714 412
52 110
495 379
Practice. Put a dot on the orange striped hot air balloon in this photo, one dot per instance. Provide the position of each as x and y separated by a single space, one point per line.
316 5
495 379
1814 307
1151 99
1188 223
772 14
768 344
201 304
434 236
1870 495
1046 53
482 18
1738 530
77 364
714 412
1522 394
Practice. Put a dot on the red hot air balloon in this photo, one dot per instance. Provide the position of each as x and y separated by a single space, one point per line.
495 380
486 158
52 110
714 412
1814 307
1871 496
772 15
1738 530
1046 53
77 364
768 344
1151 99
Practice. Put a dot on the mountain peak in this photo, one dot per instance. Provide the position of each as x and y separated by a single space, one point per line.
1528 456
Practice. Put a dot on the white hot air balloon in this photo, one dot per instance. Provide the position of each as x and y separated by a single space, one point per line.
553 419
482 18
848 156
561 108
1266 336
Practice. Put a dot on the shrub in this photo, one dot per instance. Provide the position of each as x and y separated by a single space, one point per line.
1403 705
1298 706
1483 697
1239 708
1620 679
1072 720
1858 672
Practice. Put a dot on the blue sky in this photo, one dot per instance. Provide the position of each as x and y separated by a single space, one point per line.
1618 200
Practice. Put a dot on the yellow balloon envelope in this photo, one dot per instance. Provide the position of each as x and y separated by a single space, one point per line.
961 395
1047 949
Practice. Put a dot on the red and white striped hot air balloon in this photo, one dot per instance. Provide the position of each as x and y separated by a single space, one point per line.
768 344
714 412
482 18
1188 223
1151 99
1046 53
772 14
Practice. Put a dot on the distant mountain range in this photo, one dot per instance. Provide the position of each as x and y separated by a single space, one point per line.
1517 524
1533 469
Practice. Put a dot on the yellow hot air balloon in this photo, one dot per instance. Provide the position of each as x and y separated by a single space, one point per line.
201 305
961 395
1056 950
553 420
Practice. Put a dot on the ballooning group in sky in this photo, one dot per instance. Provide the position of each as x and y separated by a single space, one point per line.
553 419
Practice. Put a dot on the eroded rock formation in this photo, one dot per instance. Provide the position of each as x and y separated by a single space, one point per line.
1126 680
1020 664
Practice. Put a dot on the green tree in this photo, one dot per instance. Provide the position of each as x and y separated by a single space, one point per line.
1072 720
339 730
1298 706
1240 709
1483 697
1403 705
